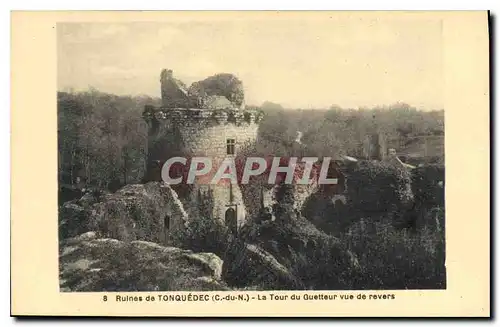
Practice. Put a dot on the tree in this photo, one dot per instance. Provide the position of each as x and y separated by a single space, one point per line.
102 138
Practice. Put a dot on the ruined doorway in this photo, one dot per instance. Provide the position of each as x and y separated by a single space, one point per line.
231 221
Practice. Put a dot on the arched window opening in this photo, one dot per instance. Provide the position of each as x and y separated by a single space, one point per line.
166 222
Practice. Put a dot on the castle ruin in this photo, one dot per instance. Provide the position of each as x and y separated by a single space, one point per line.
207 119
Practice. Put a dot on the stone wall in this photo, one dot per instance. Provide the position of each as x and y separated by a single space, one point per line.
173 91
202 132
199 132
221 201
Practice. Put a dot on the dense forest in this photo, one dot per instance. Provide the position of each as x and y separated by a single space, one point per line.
102 137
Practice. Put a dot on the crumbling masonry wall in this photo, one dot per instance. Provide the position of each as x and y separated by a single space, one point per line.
202 132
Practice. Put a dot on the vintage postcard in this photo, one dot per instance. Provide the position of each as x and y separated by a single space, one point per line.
273 164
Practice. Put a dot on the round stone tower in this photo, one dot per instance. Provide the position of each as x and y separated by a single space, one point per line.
218 132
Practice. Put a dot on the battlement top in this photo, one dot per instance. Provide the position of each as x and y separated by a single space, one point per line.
219 115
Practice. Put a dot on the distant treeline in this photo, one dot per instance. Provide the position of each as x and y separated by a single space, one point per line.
339 131
102 138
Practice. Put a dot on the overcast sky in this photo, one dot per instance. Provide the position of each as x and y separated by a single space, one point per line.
299 64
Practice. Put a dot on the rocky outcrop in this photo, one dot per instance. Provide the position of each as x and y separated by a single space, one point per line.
148 212
91 264
72 219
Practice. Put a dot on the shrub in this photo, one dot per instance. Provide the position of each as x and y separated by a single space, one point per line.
318 260
203 234
374 187
332 218
223 84
397 259
206 234
428 185
325 265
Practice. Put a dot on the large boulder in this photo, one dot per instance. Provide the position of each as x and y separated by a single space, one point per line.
91 264
134 212
74 215
71 219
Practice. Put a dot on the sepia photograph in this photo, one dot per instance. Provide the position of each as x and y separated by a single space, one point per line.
251 164
251 155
